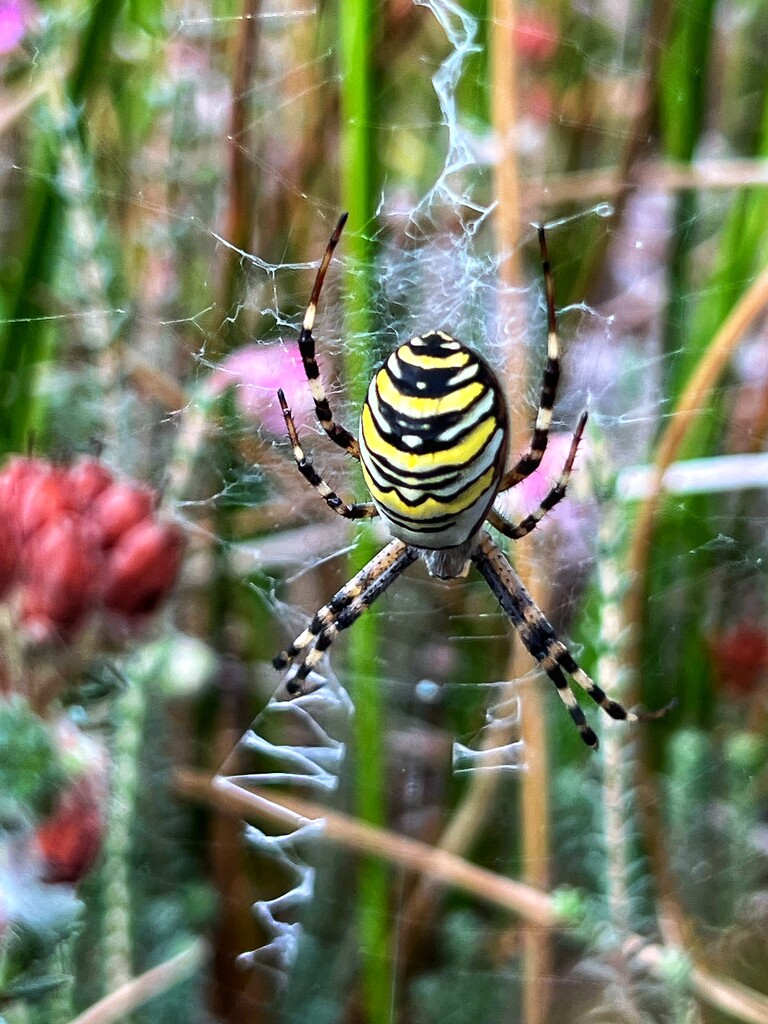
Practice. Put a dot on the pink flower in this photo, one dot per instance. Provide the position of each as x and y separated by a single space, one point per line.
15 15
256 372
529 493
569 523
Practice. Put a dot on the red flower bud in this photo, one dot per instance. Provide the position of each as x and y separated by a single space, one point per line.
74 541
61 567
142 567
69 839
15 473
38 495
120 507
88 478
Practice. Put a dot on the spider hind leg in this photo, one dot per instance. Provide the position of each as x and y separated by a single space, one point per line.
578 717
540 639
344 609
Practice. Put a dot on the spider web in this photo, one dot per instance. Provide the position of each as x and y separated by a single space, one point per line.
424 270
429 276
424 279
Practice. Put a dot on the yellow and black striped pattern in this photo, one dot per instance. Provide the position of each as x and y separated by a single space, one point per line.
433 441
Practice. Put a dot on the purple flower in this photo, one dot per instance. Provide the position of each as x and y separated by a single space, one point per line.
256 372
570 523
525 497
14 19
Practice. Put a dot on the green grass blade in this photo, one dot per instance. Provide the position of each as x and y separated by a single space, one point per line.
357 25
25 337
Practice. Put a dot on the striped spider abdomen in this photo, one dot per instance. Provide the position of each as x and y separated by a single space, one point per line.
433 441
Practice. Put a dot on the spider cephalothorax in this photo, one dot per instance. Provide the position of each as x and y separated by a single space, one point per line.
433 448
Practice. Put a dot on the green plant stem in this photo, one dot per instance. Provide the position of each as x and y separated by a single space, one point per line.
357 27
681 93
682 104
23 342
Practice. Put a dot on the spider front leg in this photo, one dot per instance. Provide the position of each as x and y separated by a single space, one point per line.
338 434
527 463
344 608
556 494
365 510
540 639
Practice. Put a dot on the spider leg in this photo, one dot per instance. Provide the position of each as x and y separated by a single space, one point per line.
344 608
540 639
517 530
527 463
338 434
352 589
365 510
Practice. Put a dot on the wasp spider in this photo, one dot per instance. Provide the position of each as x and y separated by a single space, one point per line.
433 449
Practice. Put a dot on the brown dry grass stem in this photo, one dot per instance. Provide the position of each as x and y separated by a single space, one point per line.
440 866
555 190
241 209
144 987
535 907
659 175
534 783
473 811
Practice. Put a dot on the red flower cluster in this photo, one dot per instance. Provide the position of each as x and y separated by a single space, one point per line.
68 841
74 541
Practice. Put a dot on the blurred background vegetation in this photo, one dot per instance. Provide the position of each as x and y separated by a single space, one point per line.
170 175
